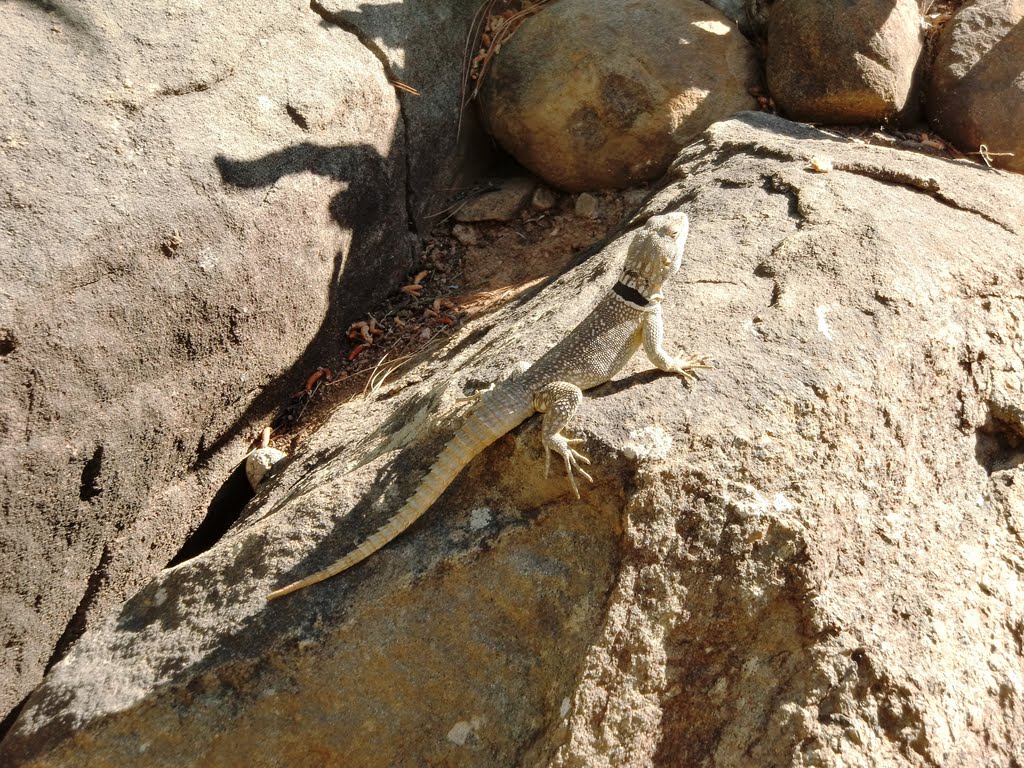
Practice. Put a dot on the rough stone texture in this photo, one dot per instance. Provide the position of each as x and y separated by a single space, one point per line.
843 62
976 87
195 198
810 558
602 94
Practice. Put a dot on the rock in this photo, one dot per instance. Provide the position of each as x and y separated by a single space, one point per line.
501 204
828 519
587 206
259 462
840 62
543 199
599 94
417 43
194 201
976 93
466 234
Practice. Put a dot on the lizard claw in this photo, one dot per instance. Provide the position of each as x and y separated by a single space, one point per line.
684 365
574 460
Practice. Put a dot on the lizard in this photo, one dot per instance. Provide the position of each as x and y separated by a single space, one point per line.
627 317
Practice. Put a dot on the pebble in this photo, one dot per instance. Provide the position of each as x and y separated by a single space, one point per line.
587 206
259 462
543 199
466 234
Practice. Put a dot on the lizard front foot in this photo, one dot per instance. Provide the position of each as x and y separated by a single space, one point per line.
683 365
563 446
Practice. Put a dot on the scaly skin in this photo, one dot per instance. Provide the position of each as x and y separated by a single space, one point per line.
626 319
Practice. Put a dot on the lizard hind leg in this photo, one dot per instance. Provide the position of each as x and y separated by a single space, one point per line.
558 402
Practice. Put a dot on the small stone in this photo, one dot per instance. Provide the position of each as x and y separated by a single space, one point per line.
821 164
502 204
543 199
466 234
259 462
587 206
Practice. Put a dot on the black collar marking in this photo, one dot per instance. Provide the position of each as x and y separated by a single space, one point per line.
630 294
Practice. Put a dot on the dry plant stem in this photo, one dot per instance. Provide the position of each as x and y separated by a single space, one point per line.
500 35
475 28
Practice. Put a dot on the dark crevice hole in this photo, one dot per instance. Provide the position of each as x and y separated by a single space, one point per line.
8 343
8 722
90 486
296 117
223 511
999 444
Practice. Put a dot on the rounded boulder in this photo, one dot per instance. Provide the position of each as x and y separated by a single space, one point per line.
843 62
602 94
976 91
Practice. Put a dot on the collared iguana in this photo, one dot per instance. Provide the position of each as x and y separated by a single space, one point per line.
628 317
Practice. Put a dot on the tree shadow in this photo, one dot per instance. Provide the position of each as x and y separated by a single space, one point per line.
383 190
378 255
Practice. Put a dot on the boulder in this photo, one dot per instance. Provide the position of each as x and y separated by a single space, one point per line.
195 201
809 557
843 62
975 90
602 94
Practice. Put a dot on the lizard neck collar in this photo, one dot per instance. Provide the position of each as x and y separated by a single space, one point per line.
632 296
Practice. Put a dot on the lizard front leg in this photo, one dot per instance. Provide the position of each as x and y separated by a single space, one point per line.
654 335
558 402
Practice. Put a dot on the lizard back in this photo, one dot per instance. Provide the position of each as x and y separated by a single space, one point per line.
595 350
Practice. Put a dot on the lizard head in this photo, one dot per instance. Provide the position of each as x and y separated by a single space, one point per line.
655 253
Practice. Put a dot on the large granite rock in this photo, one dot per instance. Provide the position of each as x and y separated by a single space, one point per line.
834 61
976 88
196 198
809 558
602 94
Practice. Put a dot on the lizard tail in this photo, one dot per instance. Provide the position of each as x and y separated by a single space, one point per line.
481 429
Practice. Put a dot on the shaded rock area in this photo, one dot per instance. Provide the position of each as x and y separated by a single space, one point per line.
602 94
196 202
811 557
976 91
840 62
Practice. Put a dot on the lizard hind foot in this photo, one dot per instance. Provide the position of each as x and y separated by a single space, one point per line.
574 460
